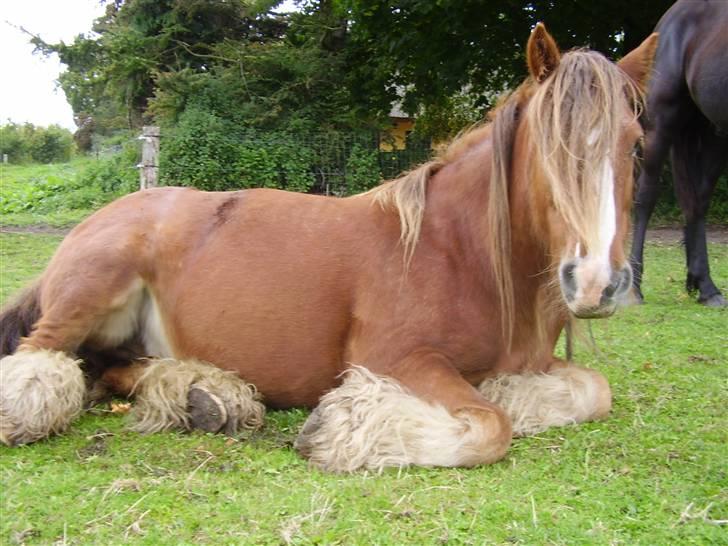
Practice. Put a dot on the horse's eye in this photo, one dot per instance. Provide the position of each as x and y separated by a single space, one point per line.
636 152
638 147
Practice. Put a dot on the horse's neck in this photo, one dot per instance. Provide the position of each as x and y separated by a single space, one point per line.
529 255
461 192
456 216
536 293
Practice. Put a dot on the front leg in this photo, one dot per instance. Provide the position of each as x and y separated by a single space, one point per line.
565 394
422 413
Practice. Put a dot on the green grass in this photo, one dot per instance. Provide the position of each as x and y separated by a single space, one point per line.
63 194
653 473
45 194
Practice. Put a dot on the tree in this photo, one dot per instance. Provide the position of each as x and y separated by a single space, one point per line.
331 64
137 40
28 142
432 50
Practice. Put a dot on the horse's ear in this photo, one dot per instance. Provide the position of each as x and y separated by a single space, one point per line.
638 62
542 53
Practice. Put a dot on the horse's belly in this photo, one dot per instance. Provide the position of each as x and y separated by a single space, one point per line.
280 329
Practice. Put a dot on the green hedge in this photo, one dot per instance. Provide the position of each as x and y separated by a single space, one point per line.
667 210
211 153
28 143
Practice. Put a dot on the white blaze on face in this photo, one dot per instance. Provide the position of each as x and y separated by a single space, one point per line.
592 272
607 209
607 214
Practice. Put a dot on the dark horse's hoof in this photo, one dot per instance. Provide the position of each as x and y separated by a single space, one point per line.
206 411
716 300
635 297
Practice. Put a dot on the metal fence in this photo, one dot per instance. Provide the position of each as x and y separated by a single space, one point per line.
334 150
329 156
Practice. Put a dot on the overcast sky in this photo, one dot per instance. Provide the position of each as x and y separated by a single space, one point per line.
28 90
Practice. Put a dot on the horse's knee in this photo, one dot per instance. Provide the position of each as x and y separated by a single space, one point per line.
187 394
598 395
489 436
41 391
373 422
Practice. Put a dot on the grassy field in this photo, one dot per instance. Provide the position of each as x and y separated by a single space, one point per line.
33 194
62 194
654 473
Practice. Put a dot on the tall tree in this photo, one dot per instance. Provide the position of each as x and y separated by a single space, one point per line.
431 50
136 40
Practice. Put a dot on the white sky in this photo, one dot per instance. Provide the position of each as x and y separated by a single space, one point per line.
28 89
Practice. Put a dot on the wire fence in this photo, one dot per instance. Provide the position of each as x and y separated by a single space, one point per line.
336 171
332 163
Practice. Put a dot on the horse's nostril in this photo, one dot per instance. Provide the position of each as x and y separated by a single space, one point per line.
568 280
568 273
620 281
611 289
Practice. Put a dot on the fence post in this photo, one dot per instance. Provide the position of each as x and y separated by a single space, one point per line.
149 167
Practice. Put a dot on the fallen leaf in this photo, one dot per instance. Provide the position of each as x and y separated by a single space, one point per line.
120 407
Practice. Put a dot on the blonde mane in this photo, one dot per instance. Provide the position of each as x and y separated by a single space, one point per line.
574 119
407 194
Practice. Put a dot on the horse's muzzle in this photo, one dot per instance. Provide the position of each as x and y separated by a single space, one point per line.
591 291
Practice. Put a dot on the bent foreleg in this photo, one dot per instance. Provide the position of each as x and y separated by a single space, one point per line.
567 394
188 394
372 422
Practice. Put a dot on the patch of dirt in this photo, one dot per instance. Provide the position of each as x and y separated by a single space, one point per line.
96 446
39 228
673 235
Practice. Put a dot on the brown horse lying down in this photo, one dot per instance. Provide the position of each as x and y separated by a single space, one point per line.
418 319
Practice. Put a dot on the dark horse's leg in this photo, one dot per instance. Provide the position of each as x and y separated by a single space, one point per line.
665 122
698 158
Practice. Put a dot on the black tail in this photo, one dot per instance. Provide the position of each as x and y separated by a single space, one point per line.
18 318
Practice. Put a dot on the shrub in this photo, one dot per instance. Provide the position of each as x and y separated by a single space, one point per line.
81 185
26 142
201 151
53 144
362 169
114 175
211 153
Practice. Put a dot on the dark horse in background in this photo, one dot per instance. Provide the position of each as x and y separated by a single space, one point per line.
687 115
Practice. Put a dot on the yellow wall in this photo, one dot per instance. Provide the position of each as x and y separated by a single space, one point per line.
396 137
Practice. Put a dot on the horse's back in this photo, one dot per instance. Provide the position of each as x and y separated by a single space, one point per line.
693 55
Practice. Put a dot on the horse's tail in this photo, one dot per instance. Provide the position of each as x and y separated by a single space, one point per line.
18 318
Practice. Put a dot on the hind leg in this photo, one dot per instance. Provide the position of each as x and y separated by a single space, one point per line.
648 191
565 395
41 385
185 395
698 161
667 117
422 413
41 392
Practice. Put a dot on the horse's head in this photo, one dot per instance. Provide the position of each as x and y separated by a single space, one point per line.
582 126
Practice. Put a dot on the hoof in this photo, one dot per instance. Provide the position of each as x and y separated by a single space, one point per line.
635 297
303 443
716 300
206 411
